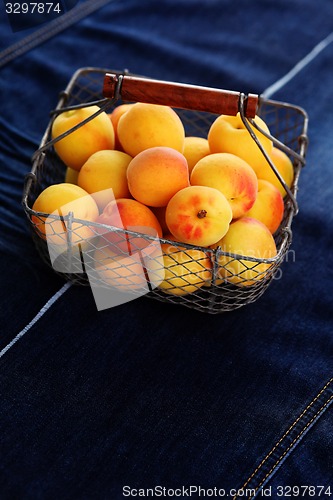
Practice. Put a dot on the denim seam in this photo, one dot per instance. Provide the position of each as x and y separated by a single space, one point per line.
292 444
298 437
53 28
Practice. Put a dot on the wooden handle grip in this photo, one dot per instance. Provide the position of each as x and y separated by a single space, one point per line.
177 95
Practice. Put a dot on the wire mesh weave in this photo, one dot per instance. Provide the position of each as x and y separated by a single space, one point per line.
195 277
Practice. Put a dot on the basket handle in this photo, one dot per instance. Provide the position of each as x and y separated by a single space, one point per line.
178 95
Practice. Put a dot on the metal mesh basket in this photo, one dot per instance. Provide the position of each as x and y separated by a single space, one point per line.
129 261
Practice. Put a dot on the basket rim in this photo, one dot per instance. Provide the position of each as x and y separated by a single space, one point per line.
180 245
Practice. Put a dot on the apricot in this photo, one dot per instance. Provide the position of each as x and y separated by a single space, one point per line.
71 175
232 176
131 215
247 237
137 272
159 212
186 270
228 134
284 166
103 171
145 126
198 215
75 149
115 117
195 148
60 200
268 207
156 174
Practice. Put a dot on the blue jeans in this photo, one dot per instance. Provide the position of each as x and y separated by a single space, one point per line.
150 395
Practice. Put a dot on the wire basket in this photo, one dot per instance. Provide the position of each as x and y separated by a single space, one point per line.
198 277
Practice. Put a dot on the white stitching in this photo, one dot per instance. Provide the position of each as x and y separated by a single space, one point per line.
41 313
298 67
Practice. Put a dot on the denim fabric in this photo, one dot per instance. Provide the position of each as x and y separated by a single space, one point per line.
151 394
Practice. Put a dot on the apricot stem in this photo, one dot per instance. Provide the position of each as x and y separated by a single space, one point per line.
201 214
